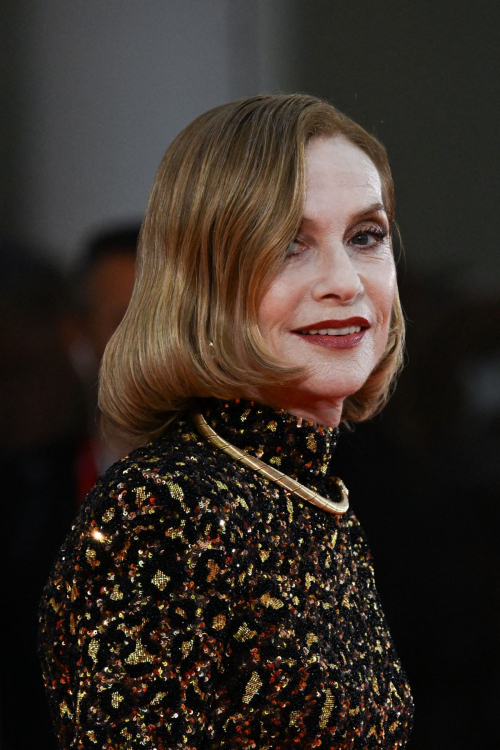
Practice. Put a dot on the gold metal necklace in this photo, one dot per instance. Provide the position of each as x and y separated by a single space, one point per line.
269 472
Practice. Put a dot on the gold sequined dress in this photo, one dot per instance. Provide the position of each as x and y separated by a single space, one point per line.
196 605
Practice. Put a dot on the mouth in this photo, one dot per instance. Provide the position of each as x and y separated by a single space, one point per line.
335 334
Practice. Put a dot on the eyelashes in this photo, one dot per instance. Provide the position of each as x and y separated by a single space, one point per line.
367 236
375 233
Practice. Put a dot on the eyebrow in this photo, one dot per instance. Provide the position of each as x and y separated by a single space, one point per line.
371 209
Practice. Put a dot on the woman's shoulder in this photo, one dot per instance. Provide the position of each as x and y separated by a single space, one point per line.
177 476
172 498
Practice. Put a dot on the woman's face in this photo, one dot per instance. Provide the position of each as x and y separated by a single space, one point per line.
329 307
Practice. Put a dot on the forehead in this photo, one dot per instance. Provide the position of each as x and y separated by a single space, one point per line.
339 175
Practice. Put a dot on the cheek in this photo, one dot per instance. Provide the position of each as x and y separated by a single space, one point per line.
277 306
383 290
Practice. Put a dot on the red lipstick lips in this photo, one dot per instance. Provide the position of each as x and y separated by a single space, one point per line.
334 333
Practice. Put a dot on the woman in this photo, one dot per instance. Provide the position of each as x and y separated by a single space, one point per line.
221 597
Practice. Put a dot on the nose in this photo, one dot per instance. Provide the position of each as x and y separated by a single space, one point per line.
337 277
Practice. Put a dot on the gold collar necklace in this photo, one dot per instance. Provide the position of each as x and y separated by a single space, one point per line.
269 472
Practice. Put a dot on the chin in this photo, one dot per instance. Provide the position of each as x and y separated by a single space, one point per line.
336 385
318 393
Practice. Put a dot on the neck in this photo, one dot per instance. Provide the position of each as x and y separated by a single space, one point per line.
322 411
296 446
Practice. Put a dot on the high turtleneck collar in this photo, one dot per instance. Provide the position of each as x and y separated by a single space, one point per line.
298 448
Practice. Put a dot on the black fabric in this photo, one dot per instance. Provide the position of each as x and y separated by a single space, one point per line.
196 605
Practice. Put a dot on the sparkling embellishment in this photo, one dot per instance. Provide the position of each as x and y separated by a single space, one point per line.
311 442
93 649
116 699
287 483
264 628
219 622
214 569
158 697
108 515
253 686
271 601
160 580
244 633
139 656
327 709
310 639
91 557
178 494
116 595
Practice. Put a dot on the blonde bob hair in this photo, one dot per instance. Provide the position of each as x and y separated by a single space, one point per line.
226 202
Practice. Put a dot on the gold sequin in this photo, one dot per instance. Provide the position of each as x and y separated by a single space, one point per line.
254 684
310 639
158 697
327 709
63 708
178 493
91 557
108 515
393 690
244 633
219 622
116 699
311 442
216 633
271 601
116 594
160 580
139 656
241 501
94 649
142 496
176 533
214 569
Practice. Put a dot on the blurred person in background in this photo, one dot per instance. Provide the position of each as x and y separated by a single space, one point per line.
42 418
103 287
52 336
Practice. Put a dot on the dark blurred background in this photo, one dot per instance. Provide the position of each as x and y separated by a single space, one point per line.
93 92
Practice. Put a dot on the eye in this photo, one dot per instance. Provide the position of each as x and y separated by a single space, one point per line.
368 237
295 248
